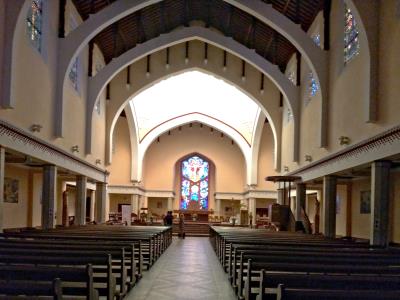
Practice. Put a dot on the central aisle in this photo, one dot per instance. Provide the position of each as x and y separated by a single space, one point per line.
189 269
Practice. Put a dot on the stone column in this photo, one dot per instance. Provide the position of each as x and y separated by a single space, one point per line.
252 211
145 202
80 208
2 170
300 199
218 207
49 192
135 204
329 206
92 204
170 204
380 203
101 198
281 194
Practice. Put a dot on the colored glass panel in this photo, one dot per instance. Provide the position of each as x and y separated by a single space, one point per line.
73 74
351 40
317 39
34 23
194 184
313 85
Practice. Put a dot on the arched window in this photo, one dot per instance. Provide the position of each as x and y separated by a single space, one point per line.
34 23
194 183
351 41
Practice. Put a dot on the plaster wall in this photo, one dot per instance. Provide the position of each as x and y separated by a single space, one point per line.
266 159
360 222
33 85
121 165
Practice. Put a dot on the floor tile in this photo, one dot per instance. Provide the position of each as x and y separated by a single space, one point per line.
188 270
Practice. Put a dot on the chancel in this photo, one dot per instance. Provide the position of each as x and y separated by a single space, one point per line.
186 149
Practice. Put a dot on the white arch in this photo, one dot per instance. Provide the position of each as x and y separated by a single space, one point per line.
113 121
186 119
77 39
14 12
316 58
97 83
255 148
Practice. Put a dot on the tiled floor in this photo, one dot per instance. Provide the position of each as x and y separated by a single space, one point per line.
188 270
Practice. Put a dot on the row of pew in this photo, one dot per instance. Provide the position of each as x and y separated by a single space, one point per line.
85 262
283 265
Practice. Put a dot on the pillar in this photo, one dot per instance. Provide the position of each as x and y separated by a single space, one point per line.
49 192
300 199
218 207
135 204
281 195
329 206
252 211
101 198
64 213
2 170
145 202
170 204
92 204
80 205
380 203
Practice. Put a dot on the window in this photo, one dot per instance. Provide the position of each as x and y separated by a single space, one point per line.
351 41
292 77
34 23
317 39
289 115
194 183
312 86
73 74
97 107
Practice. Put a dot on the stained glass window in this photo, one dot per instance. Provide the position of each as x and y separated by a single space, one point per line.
351 41
317 39
194 184
73 74
289 115
292 77
97 107
34 23
313 85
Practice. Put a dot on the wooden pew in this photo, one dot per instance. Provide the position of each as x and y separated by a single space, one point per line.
269 282
71 277
102 264
132 264
42 290
284 293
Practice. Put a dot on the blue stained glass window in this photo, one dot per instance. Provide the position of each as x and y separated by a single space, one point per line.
73 74
313 85
351 40
194 184
34 23
317 39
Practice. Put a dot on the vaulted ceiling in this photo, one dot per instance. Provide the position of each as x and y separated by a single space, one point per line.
167 15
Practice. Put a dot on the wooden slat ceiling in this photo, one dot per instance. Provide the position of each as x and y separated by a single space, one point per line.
163 17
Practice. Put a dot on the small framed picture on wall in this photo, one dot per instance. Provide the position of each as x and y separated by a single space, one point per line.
11 188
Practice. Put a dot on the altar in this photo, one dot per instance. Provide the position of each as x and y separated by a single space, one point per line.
194 215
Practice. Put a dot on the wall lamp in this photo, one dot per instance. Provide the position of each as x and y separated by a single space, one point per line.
308 158
75 149
344 140
36 127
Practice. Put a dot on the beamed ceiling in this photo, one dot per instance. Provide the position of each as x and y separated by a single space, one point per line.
167 15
